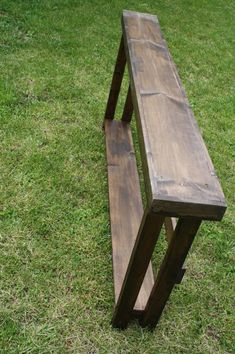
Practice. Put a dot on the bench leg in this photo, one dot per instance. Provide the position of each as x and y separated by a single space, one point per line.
116 82
170 225
128 108
148 233
177 251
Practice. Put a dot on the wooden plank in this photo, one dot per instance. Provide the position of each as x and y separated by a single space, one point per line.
168 274
126 208
170 225
148 233
180 177
116 82
128 108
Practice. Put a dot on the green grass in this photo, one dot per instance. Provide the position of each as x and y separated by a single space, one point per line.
56 286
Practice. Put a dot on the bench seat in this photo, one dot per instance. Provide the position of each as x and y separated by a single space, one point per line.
179 175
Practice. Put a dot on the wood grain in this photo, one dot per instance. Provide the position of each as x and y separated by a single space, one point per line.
147 236
116 82
170 225
126 208
180 177
128 108
170 269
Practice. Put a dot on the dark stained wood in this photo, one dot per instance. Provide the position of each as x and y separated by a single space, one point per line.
180 275
128 108
126 208
170 225
144 245
116 82
178 248
180 177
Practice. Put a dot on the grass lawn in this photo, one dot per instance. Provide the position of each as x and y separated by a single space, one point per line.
56 64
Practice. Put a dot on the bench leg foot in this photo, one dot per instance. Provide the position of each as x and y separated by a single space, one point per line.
171 266
116 82
149 231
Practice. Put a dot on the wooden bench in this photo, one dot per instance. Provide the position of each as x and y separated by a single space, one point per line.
181 184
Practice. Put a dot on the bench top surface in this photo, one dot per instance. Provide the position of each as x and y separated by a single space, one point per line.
180 175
